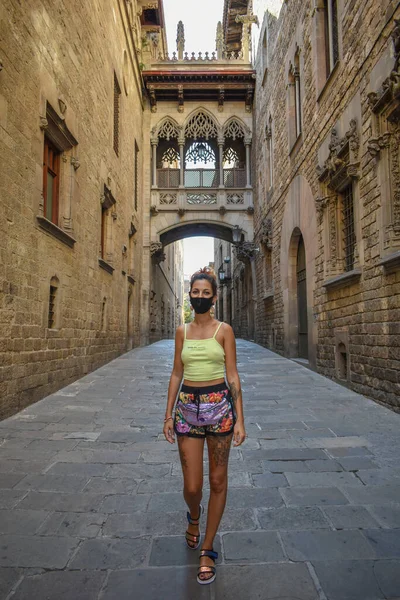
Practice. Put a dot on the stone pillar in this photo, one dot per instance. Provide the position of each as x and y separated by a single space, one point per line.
247 144
182 165
154 144
221 166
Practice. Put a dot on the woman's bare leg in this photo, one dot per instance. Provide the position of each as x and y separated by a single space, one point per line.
191 455
218 455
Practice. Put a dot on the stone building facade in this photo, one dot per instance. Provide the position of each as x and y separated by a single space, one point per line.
327 195
73 243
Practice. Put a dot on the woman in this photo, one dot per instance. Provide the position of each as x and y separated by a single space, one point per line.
206 410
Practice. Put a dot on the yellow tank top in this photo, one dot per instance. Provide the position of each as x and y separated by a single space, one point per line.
203 360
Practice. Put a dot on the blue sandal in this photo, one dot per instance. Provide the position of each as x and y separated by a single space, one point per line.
207 569
190 537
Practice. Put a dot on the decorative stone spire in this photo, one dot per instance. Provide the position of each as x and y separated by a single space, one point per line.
219 41
180 40
247 21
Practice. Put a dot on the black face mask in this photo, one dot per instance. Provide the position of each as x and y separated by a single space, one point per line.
201 305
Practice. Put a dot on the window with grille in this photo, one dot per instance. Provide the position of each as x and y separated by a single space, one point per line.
117 101
51 178
349 238
52 307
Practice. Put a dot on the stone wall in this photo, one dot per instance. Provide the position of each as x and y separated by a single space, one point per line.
353 315
64 55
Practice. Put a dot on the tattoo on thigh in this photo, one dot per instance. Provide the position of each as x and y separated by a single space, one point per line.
219 448
182 457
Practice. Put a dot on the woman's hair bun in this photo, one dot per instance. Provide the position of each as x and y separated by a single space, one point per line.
207 271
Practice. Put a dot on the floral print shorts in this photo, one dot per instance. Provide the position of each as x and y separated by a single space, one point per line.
209 394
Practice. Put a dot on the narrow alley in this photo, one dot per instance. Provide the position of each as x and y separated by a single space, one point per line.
91 502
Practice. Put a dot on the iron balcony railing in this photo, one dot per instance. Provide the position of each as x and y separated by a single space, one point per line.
201 178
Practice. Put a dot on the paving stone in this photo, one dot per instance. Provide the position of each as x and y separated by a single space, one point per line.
101 485
344 452
322 479
78 525
253 498
139 471
287 519
294 454
34 551
386 542
9 480
255 546
357 463
389 516
279 443
21 522
53 483
337 442
238 520
287 466
111 553
99 456
280 581
62 585
324 466
145 523
10 498
326 545
8 579
125 503
373 494
62 502
268 480
348 579
303 496
379 476
84 469
350 517
177 583
168 551
387 573
312 433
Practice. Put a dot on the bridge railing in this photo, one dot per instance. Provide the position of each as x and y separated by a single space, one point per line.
201 178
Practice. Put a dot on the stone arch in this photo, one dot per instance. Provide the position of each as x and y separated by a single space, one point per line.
234 127
206 127
167 128
299 219
198 228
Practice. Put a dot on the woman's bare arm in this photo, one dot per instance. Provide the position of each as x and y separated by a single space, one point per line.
232 376
177 372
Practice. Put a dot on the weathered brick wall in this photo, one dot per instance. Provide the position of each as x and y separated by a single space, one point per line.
68 50
368 310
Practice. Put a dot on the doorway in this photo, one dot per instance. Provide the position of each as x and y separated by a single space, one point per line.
301 274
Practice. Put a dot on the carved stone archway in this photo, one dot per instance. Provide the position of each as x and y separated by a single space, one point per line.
299 218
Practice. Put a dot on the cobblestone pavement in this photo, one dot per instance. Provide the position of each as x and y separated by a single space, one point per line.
91 503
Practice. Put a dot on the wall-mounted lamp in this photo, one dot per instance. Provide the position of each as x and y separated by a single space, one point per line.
236 234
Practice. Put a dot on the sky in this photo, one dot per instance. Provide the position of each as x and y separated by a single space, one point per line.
200 22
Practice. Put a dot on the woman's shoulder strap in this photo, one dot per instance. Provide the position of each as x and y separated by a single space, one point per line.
218 328
184 328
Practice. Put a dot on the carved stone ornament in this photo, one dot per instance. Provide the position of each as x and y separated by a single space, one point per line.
375 145
152 98
390 88
321 202
75 162
181 211
222 210
156 252
266 234
63 106
43 123
342 162
245 251
153 210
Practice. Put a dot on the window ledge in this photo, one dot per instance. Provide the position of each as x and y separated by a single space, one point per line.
268 295
391 262
343 280
106 266
131 279
328 80
56 231
297 143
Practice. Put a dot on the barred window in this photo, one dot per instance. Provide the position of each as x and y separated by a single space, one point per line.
117 100
52 306
349 238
